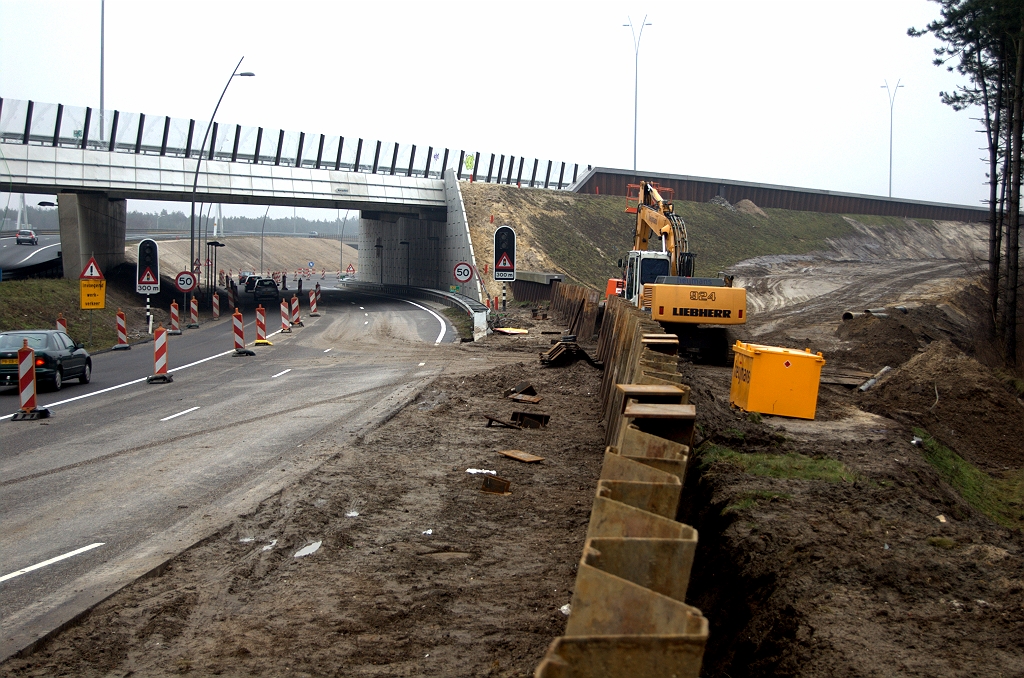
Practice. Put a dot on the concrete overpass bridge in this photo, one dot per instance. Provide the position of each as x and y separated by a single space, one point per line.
412 222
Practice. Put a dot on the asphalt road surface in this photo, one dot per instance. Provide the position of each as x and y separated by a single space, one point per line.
126 474
14 256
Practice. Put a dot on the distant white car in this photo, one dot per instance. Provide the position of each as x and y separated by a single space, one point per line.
314 234
26 237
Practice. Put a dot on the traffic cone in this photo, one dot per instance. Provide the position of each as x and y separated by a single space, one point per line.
313 313
261 327
286 325
175 322
239 333
27 385
62 324
122 332
160 373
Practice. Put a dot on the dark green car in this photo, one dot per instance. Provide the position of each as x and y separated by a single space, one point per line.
58 358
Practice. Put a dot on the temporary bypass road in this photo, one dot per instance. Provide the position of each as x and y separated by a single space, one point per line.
126 474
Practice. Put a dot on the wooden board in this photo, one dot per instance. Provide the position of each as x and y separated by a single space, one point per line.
522 398
521 456
660 411
631 390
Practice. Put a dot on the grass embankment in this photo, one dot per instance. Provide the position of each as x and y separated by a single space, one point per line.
463 323
586 235
34 304
1001 499
789 466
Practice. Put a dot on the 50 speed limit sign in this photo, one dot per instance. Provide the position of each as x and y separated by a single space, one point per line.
463 272
186 282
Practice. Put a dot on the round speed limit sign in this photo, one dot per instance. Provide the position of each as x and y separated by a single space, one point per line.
463 272
186 282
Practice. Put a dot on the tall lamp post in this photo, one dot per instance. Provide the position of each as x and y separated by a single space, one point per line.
892 100
407 249
199 161
636 75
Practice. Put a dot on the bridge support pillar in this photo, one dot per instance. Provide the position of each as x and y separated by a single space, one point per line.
91 225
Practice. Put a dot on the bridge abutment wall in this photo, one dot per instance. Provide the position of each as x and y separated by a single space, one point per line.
91 225
434 247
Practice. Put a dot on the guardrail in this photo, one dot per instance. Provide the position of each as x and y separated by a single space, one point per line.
475 310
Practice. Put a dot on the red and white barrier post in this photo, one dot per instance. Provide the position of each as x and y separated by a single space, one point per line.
216 306
296 317
122 332
175 319
231 298
27 385
239 333
286 325
62 324
313 313
160 373
193 313
261 327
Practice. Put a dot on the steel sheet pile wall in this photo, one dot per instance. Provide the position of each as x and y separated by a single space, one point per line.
577 307
628 616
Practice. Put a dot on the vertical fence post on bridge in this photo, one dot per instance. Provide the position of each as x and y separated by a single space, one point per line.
462 162
490 169
547 177
412 159
430 156
376 158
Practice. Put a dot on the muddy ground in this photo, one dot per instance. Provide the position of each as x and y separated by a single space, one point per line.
420 573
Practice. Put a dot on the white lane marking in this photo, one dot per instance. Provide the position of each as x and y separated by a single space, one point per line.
361 308
280 373
191 409
327 350
133 381
366 315
367 322
421 365
51 561
37 251
444 327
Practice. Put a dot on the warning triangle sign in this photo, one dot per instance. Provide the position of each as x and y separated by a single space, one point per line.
503 262
147 277
91 271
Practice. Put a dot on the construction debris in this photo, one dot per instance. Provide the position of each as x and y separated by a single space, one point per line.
564 353
531 419
520 398
496 485
519 455
497 421
523 388
510 330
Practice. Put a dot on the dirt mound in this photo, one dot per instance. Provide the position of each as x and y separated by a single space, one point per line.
748 207
959 401
879 341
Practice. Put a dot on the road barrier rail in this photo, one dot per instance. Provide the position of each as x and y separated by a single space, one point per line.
628 615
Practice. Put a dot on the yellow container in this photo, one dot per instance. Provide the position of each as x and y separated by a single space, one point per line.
774 380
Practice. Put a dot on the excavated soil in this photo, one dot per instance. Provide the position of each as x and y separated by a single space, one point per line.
420 573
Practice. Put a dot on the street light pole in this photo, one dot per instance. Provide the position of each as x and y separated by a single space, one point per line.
892 100
199 161
262 229
636 76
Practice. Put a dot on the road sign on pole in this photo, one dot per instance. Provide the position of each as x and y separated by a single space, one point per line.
91 271
147 271
92 287
186 282
463 272
505 253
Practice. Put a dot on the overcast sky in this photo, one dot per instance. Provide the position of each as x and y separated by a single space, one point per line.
773 91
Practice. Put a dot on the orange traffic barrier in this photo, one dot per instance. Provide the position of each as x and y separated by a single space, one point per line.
175 320
296 318
193 313
286 325
160 373
62 324
239 333
261 327
27 385
313 313
216 306
122 332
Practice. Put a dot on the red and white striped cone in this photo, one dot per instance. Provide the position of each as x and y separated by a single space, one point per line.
27 385
313 313
231 299
239 334
216 306
122 332
323 273
261 327
286 325
160 373
175 320
193 313
296 317
62 324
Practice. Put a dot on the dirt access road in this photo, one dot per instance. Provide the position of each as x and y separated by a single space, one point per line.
846 573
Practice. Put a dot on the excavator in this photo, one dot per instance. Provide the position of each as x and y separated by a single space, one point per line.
658 278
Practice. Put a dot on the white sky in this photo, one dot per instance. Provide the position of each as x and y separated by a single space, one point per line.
774 91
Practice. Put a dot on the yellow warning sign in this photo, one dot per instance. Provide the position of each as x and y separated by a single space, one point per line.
92 294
